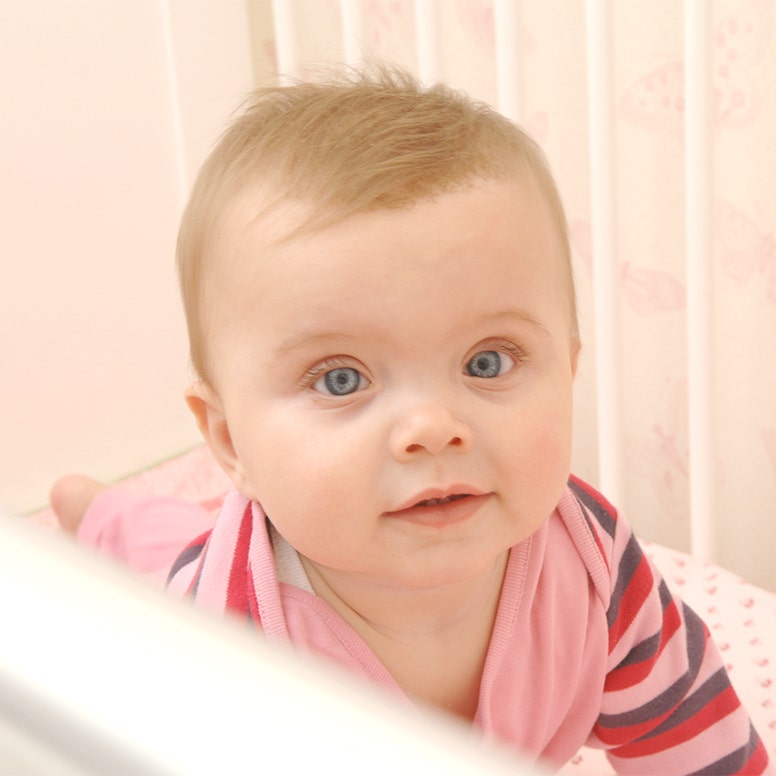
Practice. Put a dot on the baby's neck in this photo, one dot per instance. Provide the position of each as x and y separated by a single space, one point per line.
433 642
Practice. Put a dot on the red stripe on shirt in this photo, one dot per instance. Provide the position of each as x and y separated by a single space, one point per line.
594 494
628 675
757 763
723 704
637 591
237 593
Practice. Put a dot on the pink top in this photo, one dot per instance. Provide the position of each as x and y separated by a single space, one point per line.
589 646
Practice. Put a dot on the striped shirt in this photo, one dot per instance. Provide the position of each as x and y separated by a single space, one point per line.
589 646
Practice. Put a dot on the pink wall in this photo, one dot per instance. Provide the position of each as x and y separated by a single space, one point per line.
108 109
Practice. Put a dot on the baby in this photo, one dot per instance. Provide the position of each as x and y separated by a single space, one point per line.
382 320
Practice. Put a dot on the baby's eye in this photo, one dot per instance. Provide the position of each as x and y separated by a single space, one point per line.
341 382
489 363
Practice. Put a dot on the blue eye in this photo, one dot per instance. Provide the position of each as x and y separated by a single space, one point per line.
489 363
341 381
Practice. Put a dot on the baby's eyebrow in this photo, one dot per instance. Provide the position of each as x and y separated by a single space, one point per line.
303 341
337 339
519 316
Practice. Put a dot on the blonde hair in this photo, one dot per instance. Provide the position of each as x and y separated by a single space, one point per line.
350 144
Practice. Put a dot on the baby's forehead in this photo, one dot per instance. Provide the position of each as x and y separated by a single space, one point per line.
268 248
258 228
275 217
257 233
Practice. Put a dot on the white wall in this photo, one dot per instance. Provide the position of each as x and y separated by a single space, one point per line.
108 109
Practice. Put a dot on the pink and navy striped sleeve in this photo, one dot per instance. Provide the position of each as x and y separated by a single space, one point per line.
668 705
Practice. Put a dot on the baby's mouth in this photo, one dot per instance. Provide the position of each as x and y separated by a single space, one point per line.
442 510
433 502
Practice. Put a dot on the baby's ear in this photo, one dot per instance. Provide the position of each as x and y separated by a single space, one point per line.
208 411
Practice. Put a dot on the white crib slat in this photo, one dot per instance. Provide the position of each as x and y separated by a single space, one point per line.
285 40
507 31
605 269
352 27
182 173
427 41
698 219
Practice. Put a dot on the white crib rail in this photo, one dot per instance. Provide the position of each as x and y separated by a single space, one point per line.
698 218
285 40
352 25
606 296
55 719
506 22
427 41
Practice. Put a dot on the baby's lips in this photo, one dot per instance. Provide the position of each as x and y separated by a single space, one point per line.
439 494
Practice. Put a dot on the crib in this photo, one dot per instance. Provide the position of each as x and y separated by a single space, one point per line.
657 121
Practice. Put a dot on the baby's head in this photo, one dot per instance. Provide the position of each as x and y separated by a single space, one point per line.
381 312
349 145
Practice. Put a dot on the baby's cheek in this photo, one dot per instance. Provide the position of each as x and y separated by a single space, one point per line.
314 484
539 460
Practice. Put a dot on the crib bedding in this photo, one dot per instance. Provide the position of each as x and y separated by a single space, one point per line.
741 616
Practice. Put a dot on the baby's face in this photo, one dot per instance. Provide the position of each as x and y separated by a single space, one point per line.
398 386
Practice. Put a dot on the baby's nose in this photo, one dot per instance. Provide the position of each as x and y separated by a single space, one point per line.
429 428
